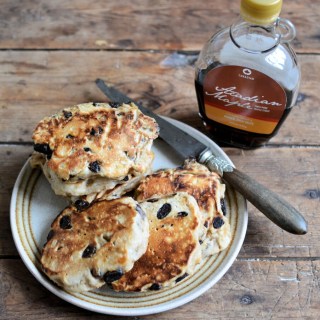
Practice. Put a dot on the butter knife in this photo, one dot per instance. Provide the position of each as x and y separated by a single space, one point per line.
269 203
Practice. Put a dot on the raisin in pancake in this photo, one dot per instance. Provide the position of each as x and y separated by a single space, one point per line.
206 187
89 246
93 147
173 249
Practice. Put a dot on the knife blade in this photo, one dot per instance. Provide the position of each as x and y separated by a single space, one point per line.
183 143
269 203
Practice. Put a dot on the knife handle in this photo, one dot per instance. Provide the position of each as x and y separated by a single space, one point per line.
269 203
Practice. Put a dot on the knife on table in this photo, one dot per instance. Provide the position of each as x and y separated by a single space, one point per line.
269 203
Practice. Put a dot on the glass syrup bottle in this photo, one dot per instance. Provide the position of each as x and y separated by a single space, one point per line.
247 76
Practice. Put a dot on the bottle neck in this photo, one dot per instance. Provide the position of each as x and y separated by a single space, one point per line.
255 38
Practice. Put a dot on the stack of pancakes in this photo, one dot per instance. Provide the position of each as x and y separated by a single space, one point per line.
94 154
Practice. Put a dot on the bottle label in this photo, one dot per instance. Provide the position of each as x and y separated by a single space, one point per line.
243 98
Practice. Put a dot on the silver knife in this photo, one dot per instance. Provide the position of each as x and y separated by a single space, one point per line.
269 203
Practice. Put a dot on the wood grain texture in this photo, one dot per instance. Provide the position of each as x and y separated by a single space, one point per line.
249 290
297 183
38 84
292 173
51 52
142 24
12 159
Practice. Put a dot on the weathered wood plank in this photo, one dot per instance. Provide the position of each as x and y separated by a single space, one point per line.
37 84
12 159
292 173
162 25
250 290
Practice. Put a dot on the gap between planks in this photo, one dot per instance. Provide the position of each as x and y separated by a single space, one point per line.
265 259
268 146
186 52
160 51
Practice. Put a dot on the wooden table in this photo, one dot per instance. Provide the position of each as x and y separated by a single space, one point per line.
51 52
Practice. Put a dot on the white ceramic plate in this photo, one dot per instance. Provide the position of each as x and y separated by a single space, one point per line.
34 206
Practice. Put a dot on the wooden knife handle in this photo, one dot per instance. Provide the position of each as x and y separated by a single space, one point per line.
269 203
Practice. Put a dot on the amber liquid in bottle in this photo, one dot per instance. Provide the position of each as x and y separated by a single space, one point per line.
255 63
233 136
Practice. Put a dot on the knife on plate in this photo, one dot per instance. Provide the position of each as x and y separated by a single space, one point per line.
269 203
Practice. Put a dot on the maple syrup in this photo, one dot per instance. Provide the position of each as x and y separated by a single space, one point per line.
247 77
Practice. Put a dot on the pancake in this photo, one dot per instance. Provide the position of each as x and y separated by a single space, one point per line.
122 188
173 250
93 147
90 246
208 190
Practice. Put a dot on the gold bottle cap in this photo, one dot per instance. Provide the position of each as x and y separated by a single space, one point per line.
260 12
